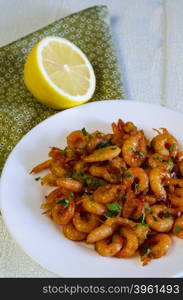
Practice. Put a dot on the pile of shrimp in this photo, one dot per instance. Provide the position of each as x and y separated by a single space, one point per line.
119 191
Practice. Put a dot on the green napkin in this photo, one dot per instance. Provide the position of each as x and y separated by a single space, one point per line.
19 110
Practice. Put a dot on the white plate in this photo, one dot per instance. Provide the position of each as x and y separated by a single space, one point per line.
21 195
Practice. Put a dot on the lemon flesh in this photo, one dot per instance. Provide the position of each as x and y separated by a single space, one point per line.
59 74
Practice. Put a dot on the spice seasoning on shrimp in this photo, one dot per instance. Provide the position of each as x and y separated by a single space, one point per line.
117 191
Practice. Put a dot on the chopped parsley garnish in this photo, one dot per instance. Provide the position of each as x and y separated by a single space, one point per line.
133 149
142 218
169 165
177 229
111 213
65 202
146 249
67 176
84 132
128 175
155 218
113 176
88 193
157 158
149 209
174 160
93 182
172 147
103 144
37 178
114 209
113 206
113 239
103 183
167 215
77 176
62 151
98 133
142 154
71 194
87 180
136 187
145 167
122 171
122 198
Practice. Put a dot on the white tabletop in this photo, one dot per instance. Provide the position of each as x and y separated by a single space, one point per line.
148 35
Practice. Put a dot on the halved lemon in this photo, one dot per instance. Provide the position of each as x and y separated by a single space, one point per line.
59 74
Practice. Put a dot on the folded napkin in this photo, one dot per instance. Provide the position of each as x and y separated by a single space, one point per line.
19 110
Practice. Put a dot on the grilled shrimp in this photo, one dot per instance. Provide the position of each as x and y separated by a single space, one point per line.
158 246
103 154
102 232
159 219
85 222
178 227
63 215
41 167
134 149
157 178
77 139
106 194
165 144
131 243
92 206
72 233
139 177
157 160
109 247
70 184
